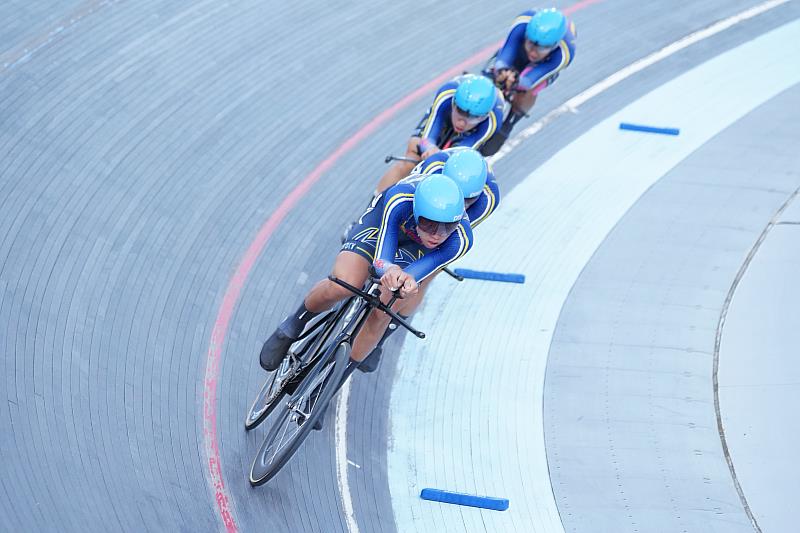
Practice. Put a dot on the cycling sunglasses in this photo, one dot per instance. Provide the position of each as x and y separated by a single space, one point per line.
538 47
469 117
432 227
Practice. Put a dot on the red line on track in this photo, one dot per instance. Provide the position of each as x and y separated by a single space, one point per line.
235 284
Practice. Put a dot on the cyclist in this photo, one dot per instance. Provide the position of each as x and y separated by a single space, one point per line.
539 46
466 111
407 234
473 175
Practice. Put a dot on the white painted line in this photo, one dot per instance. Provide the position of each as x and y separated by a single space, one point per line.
570 106
341 457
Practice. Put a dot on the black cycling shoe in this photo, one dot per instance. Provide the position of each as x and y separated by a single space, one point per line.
274 350
370 364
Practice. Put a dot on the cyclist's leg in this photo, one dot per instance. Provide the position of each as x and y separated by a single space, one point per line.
523 102
405 308
350 267
372 331
371 362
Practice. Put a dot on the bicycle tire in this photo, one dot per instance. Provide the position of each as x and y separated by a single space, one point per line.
267 464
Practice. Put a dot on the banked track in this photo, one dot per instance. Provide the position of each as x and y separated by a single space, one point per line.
142 146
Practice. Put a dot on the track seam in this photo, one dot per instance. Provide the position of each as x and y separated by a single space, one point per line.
718 341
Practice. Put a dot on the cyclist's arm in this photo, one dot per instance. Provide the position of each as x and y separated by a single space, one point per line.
486 203
438 116
514 42
457 244
399 205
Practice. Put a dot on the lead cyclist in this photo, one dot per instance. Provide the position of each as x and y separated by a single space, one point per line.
477 181
407 234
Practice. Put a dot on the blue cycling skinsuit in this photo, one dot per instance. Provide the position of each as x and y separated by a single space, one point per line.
386 235
534 76
436 127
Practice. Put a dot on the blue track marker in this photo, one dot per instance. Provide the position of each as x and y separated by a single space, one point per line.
648 129
490 276
457 498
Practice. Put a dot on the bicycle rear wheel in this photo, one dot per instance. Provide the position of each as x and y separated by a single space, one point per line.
299 414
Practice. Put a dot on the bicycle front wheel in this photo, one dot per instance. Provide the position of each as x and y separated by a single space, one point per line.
299 414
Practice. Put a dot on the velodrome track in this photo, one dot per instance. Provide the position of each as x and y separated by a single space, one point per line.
144 149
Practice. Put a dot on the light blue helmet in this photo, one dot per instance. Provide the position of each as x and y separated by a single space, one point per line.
439 199
468 169
476 95
547 27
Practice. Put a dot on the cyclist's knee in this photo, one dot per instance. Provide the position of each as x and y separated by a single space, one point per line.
408 305
334 292
523 102
404 167
351 268
377 321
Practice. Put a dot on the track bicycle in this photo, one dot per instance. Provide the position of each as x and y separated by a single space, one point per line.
315 367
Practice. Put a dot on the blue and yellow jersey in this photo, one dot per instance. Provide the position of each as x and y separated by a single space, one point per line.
482 206
399 226
438 124
544 72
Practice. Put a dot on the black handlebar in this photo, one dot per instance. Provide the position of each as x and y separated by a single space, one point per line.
374 300
449 272
390 158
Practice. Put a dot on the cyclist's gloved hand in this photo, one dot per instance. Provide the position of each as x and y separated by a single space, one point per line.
409 286
506 79
396 279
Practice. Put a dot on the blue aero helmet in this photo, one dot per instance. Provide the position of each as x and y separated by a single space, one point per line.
438 198
546 28
469 170
475 95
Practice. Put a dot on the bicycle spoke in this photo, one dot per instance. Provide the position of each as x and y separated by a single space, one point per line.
289 423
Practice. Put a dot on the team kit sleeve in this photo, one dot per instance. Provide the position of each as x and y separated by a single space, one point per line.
540 75
457 244
437 117
399 205
486 203
514 42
